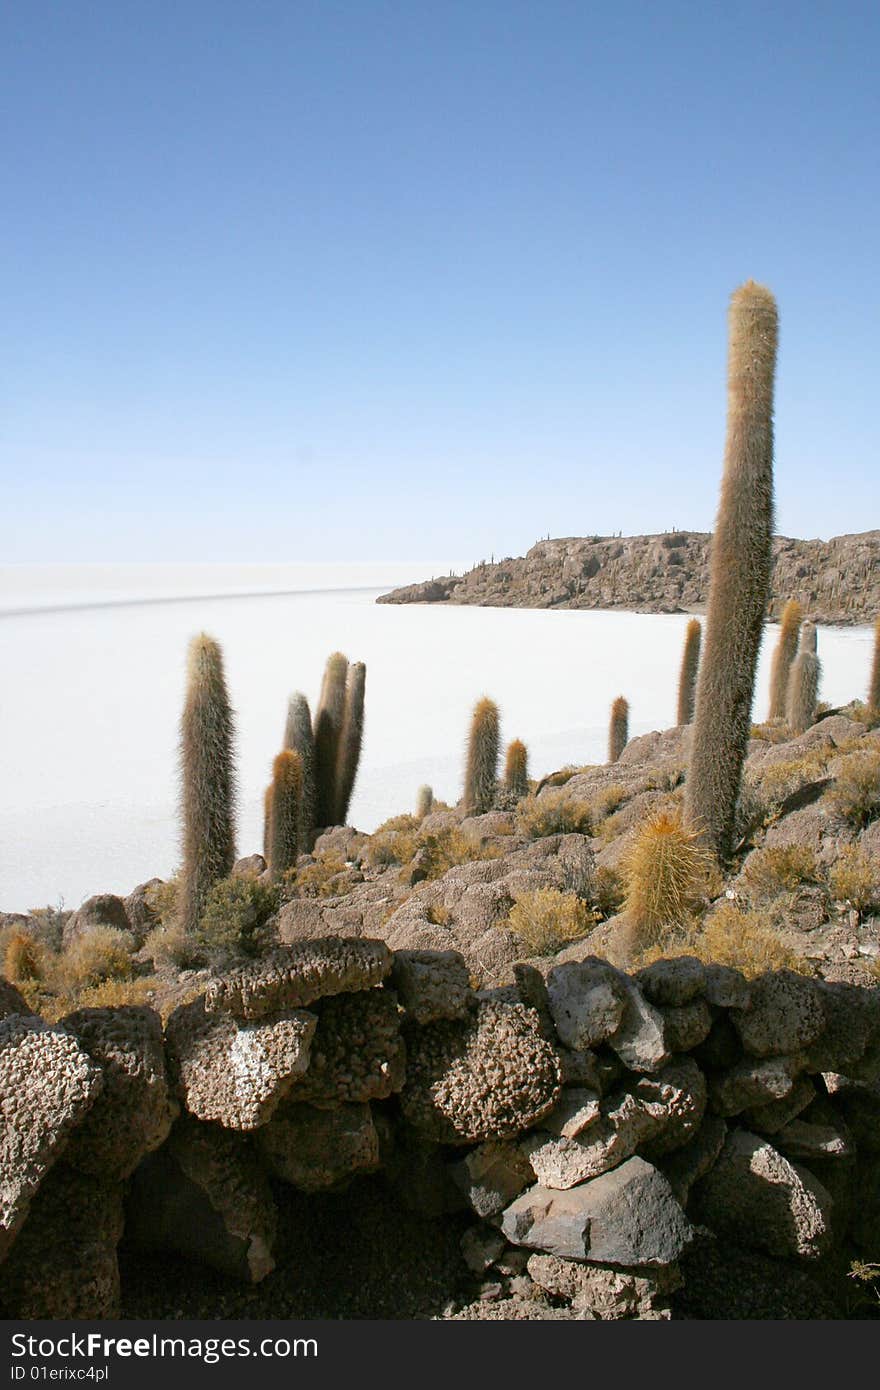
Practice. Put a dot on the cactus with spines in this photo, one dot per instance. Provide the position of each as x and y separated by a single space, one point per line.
874 685
687 680
516 769
739 584
803 683
284 819
783 656
424 802
481 771
207 779
350 740
327 729
300 738
618 728
267 821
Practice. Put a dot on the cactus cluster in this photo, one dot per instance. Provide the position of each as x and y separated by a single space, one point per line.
739 583
783 658
207 779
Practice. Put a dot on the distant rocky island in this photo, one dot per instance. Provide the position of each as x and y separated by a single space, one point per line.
835 581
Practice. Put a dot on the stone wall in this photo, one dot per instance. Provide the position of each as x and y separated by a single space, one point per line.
588 1129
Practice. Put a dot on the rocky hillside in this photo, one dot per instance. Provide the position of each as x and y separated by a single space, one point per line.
836 581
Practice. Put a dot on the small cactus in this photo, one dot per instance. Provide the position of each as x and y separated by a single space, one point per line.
516 769
284 819
618 728
874 686
783 656
481 772
208 801
424 802
327 729
739 584
803 683
687 680
350 740
666 872
299 737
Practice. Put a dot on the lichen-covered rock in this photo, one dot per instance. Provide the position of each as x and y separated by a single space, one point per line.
673 982
491 1175
315 1149
357 1053
726 988
785 1014
63 1264
236 1073
587 1001
609 1294
432 984
47 1085
628 1217
754 1081
488 1076
205 1195
134 1111
294 976
12 1002
754 1197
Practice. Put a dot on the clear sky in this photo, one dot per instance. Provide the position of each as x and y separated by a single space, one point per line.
393 279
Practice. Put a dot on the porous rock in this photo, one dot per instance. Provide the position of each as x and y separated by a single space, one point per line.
102 910
726 988
491 1175
47 1085
675 1099
685 1026
316 1149
134 1111
293 976
673 982
432 984
785 1014
753 1196
587 1001
751 1082
63 1263
487 1076
627 1217
236 1073
684 1167
609 1294
357 1053
767 1119
562 1162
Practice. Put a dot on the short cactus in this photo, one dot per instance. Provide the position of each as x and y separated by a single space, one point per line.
424 802
618 728
350 740
874 686
481 772
803 683
516 769
328 728
208 799
687 680
299 737
666 872
783 656
739 586
284 820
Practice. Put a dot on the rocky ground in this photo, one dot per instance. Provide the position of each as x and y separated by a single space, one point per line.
836 581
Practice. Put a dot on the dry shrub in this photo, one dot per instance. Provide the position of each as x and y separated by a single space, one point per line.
607 891
546 919
24 958
855 879
779 869
173 947
111 994
320 880
98 954
47 925
162 898
773 731
748 941
437 914
666 873
393 842
449 848
556 812
236 916
606 801
780 780
855 796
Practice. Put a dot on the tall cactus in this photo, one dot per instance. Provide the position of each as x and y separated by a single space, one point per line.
284 819
481 772
299 737
267 821
783 656
350 740
618 728
328 727
687 680
874 686
208 779
516 769
740 573
424 802
803 683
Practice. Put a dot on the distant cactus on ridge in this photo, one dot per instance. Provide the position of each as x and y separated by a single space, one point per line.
284 820
299 737
516 769
350 740
803 683
328 728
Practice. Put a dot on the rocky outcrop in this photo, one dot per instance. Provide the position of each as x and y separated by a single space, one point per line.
836 581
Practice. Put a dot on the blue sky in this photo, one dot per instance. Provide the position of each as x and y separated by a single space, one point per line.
303 280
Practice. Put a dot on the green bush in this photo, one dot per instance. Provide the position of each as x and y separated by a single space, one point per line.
236 915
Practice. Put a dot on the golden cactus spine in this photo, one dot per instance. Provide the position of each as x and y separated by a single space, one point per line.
481 771
516 769
284 819
783 656
618 728
740 573
207 778
690 663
